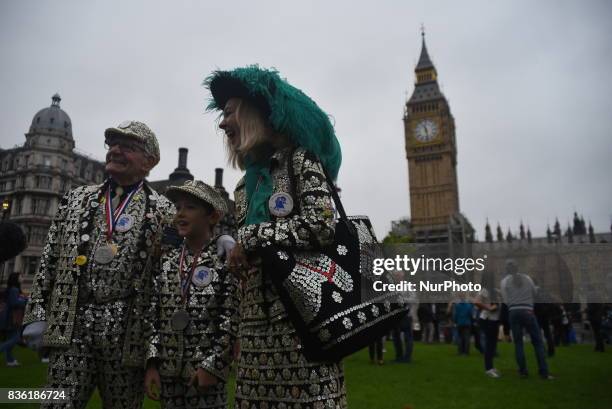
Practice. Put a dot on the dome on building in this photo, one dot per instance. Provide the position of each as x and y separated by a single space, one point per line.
52 120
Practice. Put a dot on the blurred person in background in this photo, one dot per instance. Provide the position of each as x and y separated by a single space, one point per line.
426 318
519 292
488 301
12 317
462 317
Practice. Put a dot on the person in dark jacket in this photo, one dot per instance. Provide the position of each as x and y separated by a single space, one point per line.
13 314
543 309
426 318
595 312
403 352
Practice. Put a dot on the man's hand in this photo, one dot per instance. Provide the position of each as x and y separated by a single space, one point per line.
237 261
152 383
202 380
225 244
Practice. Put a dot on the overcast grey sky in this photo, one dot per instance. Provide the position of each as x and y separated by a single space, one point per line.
528 84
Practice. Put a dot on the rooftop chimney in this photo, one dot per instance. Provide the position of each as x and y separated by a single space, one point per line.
182 163
219 177
181 173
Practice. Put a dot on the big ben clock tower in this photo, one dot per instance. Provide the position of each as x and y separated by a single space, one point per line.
431 151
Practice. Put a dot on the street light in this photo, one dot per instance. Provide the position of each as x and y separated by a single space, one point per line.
6 205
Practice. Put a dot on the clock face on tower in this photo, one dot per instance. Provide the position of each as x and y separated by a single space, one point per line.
425 130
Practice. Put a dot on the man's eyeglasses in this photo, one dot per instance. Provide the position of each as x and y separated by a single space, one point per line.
125 146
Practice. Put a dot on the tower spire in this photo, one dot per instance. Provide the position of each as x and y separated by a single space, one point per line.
424 60
488 234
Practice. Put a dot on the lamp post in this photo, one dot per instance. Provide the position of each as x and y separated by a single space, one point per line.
6 207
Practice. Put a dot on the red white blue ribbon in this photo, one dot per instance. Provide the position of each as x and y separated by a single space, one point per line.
116 214
186 277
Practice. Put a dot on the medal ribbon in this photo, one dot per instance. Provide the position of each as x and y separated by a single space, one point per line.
186 278
113 216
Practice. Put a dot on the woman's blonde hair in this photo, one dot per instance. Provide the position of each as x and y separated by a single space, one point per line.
254 132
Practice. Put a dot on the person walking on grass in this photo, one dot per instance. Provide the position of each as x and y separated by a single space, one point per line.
519 292
487 301
462 317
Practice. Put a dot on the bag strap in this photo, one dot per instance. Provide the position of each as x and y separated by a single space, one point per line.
292 183
335 196
332 187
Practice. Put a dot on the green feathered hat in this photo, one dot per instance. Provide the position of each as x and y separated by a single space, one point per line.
289 110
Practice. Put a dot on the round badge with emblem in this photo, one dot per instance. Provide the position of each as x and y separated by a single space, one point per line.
202 276
280 204
179 320
125 223
80 260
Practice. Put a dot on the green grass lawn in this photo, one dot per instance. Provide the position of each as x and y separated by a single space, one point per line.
437 378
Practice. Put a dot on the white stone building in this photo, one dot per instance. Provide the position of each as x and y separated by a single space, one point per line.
35 176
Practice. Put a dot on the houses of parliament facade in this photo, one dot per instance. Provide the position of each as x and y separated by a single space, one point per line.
574 264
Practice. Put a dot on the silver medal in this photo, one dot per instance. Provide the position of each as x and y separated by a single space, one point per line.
202 276
280 204
104 254
125 223
179 320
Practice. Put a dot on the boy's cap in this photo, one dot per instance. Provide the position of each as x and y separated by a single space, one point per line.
201 191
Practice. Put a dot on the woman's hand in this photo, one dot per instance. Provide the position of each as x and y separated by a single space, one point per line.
202 380
152 383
